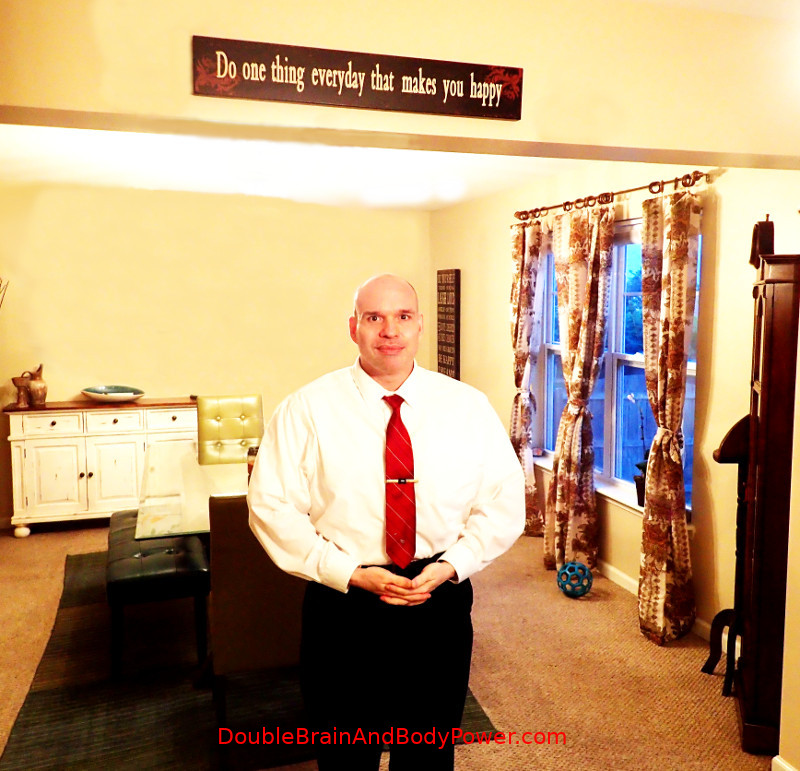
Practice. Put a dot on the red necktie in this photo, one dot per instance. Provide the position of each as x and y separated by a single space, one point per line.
401 507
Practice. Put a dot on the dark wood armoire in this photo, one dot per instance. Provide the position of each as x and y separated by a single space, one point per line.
761 444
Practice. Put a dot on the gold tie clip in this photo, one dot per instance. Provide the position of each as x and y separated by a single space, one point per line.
401 481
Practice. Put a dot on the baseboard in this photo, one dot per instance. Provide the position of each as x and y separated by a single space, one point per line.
779 764
619 578
701 628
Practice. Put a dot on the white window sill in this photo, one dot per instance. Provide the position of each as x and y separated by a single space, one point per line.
621 493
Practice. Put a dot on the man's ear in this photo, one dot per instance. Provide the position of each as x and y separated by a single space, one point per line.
353 322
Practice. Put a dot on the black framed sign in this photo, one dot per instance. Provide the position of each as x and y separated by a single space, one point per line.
448 322
242 69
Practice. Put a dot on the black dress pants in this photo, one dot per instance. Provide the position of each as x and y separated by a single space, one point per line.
373 672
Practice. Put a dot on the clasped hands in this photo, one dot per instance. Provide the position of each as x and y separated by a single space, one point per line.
398 590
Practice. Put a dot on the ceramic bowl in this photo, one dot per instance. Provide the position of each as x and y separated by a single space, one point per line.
113 393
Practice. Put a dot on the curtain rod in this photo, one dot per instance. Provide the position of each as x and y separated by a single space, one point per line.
687 180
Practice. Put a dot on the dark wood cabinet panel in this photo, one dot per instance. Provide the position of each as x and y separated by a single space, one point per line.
765 470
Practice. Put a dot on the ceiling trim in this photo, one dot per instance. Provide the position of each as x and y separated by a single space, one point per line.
37 116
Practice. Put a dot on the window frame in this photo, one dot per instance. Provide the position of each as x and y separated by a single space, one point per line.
625 232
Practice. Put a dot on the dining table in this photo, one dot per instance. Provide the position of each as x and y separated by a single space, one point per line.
176 488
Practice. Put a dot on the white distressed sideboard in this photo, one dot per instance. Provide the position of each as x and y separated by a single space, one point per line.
83 460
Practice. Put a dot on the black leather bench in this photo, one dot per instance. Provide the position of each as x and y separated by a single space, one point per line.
150 570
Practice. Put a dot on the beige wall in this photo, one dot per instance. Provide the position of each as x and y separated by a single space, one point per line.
181 293
596 74
790 705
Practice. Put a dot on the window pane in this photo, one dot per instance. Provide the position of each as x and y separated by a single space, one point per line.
554 330
693 341
633 325
634 416
636 426
597 403
556 398
688 436
632 308
633 268
551 332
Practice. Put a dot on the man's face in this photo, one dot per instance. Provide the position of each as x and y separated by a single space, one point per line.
386 327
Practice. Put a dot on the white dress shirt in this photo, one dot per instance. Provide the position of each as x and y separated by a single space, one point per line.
317 493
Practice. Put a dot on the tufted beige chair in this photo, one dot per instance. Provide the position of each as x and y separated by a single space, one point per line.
227 426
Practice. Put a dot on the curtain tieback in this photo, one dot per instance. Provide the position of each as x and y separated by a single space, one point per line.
576 406
671 442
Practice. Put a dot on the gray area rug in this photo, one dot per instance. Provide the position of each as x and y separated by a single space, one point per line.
158 715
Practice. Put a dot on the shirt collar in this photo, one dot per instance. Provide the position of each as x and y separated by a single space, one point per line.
371 390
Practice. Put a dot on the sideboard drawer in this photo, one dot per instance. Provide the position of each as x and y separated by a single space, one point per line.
174 420
52 424
97 422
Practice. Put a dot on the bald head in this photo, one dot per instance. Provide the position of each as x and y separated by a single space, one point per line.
382 283
386 325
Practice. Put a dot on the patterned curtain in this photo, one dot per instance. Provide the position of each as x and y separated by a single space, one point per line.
526 334
669 282
582 247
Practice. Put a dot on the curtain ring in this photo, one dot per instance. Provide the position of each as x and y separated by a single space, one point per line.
580 203
567 205
656 187
605 198
687 180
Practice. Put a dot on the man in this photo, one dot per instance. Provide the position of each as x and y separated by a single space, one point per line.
388 548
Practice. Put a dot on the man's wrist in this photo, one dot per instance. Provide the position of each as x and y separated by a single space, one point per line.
355 577
453 575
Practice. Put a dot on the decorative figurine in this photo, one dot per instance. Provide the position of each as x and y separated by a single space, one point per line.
37 387
23 394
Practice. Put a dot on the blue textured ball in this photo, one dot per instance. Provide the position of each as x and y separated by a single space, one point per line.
574 579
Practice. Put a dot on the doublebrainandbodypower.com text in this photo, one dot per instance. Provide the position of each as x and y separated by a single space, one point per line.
392 736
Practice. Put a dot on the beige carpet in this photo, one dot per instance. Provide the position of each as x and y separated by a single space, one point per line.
542 663
31 579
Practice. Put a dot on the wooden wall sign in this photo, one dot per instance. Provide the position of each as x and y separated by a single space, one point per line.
243 69
448 322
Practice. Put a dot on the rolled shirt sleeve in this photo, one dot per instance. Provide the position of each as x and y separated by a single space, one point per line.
497 514
279 499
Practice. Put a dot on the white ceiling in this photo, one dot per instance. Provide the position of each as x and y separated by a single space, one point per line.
310 173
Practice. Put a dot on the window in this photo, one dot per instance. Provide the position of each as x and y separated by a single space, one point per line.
623 422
